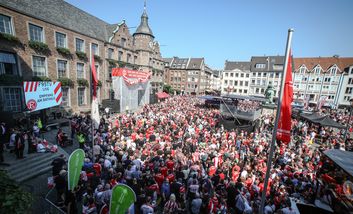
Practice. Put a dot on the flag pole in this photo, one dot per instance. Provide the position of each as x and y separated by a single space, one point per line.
91 91
274 134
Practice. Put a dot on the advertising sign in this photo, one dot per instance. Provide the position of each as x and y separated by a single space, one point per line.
131 77
41 95
122 198
75 167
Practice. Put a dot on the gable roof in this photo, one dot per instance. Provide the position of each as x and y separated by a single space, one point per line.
195 63
63 14
229 66
325 62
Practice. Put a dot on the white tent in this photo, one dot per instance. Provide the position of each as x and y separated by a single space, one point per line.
132 88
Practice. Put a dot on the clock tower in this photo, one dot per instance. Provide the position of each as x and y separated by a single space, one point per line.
144 43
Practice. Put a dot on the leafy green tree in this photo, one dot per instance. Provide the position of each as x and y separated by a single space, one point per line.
12 198
168 89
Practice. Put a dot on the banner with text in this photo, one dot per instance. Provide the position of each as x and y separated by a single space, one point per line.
42 95
131 77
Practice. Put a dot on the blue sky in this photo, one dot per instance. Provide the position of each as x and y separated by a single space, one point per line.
235 30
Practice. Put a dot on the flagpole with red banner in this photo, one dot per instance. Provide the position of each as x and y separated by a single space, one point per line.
284 118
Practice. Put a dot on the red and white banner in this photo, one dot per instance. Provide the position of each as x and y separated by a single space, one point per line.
285 119
131 77
42 95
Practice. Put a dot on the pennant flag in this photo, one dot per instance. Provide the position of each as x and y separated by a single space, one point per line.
285 119
74 168
94 106
122 198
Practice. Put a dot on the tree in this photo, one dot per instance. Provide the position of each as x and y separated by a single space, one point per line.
12 198
168 89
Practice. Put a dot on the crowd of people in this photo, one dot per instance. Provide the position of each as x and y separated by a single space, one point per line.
178 158
248 105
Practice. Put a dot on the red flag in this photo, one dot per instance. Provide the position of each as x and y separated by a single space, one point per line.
284 123
94 78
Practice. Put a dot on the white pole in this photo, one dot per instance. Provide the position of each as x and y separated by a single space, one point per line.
272 146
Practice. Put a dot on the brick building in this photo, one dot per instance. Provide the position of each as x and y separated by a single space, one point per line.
188 75
52 40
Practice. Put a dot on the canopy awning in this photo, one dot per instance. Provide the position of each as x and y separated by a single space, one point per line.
162 95
322 120
312 116
327 121
344 159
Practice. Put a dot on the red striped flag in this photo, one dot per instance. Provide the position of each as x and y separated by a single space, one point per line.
285 119
94 77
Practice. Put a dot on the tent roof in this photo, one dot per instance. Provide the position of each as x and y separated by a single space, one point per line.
344 159
321 119
162 95
327 121
311 116
234 96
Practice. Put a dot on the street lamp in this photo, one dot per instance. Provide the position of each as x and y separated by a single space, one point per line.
349 119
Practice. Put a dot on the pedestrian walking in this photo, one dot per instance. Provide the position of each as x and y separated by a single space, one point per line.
2 141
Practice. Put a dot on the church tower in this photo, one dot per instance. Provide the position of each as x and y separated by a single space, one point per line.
143 42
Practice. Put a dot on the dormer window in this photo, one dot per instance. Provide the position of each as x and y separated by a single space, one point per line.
260 65
333 70
317 69
302 69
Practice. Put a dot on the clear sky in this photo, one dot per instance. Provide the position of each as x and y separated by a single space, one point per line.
235 30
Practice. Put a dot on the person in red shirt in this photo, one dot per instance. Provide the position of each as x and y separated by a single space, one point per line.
164 170
171 176
170 164
159 177
213 205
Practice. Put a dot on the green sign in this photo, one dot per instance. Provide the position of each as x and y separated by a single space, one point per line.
122 198
75 166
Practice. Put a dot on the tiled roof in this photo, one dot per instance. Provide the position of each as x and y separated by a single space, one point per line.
62 14
324 62
195 63
229 66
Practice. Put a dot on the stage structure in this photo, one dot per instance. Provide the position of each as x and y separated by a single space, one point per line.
131 87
